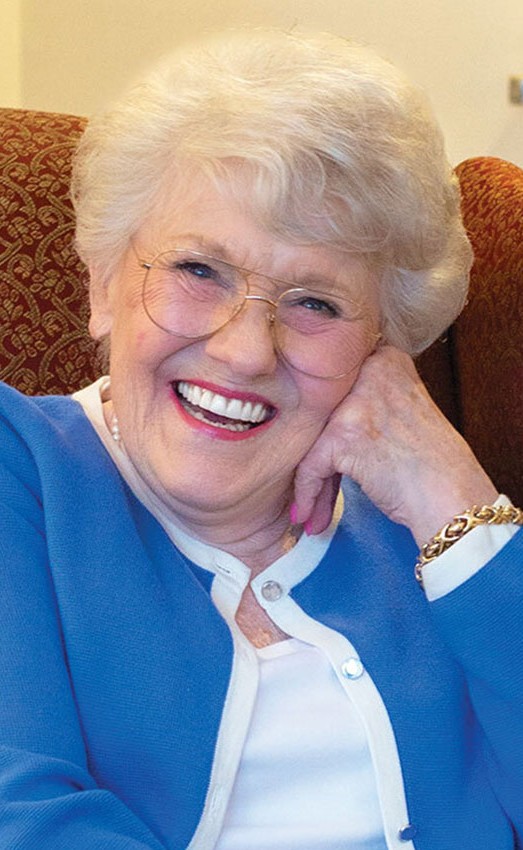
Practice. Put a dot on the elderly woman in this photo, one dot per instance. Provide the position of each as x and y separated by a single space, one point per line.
205 643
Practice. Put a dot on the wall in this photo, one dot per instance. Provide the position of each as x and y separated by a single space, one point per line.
74 54
10 53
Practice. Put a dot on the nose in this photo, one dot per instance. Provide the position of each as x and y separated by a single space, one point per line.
246 342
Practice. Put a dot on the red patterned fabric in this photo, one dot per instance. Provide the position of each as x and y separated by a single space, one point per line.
488 336
44 345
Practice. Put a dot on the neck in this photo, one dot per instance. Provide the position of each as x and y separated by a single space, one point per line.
257 538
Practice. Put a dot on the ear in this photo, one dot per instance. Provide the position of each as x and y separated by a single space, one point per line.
101 319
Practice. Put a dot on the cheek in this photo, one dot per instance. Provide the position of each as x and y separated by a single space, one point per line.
318 401
139 342
321 397
142 343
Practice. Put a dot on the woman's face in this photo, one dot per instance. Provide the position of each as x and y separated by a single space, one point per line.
191 463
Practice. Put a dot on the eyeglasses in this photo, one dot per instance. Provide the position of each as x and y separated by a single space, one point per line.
191 295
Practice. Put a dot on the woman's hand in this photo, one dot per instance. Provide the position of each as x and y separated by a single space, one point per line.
389 437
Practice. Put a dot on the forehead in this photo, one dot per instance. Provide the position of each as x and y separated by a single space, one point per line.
219 220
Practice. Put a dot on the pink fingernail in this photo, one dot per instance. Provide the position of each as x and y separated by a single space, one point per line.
307 527
293 513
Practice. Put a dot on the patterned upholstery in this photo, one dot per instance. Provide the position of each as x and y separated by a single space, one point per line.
475 373
488 337
44 346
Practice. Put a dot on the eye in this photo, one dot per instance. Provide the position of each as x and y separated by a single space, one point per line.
198 269
199 272
318 305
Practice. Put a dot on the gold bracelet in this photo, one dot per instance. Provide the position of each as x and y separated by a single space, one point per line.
461 525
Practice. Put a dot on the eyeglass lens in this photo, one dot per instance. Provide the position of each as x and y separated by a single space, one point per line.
192 295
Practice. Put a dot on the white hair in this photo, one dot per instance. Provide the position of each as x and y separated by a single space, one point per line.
338 148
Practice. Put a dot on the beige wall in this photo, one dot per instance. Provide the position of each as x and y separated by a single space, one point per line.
10 53
74 54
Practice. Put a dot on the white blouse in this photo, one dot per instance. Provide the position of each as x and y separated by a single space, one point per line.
306 777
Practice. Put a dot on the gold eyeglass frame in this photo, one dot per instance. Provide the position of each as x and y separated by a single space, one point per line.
271 313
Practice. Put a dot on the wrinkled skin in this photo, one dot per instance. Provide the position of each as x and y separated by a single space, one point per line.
389 437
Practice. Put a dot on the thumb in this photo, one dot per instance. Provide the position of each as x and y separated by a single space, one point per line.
323 508
316 485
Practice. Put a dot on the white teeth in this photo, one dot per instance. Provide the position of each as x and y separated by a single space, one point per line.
232 408
232 426
206 400
217 404
246 413
195 394
258 413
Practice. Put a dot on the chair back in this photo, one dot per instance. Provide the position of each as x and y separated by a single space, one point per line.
476 372
44 344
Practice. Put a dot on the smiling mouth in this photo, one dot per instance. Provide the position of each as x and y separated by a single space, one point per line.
231 414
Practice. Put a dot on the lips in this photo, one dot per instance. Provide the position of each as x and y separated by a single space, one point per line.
231 413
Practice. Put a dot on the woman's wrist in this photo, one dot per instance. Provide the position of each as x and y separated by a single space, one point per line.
445 500
499 513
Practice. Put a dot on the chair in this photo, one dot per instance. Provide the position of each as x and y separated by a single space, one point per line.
44 344
475 373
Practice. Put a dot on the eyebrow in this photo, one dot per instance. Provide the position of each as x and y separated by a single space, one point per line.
205 245
219 251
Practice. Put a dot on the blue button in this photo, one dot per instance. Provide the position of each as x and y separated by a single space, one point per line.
407 833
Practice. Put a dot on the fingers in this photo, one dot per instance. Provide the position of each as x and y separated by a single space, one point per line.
323 509
316 486
318 476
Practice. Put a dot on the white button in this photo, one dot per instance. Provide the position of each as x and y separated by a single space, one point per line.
271 591
352 668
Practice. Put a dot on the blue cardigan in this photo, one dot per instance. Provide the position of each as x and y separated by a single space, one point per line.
114 663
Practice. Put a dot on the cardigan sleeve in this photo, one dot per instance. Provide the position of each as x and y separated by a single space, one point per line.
481 621
466 557
48 800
